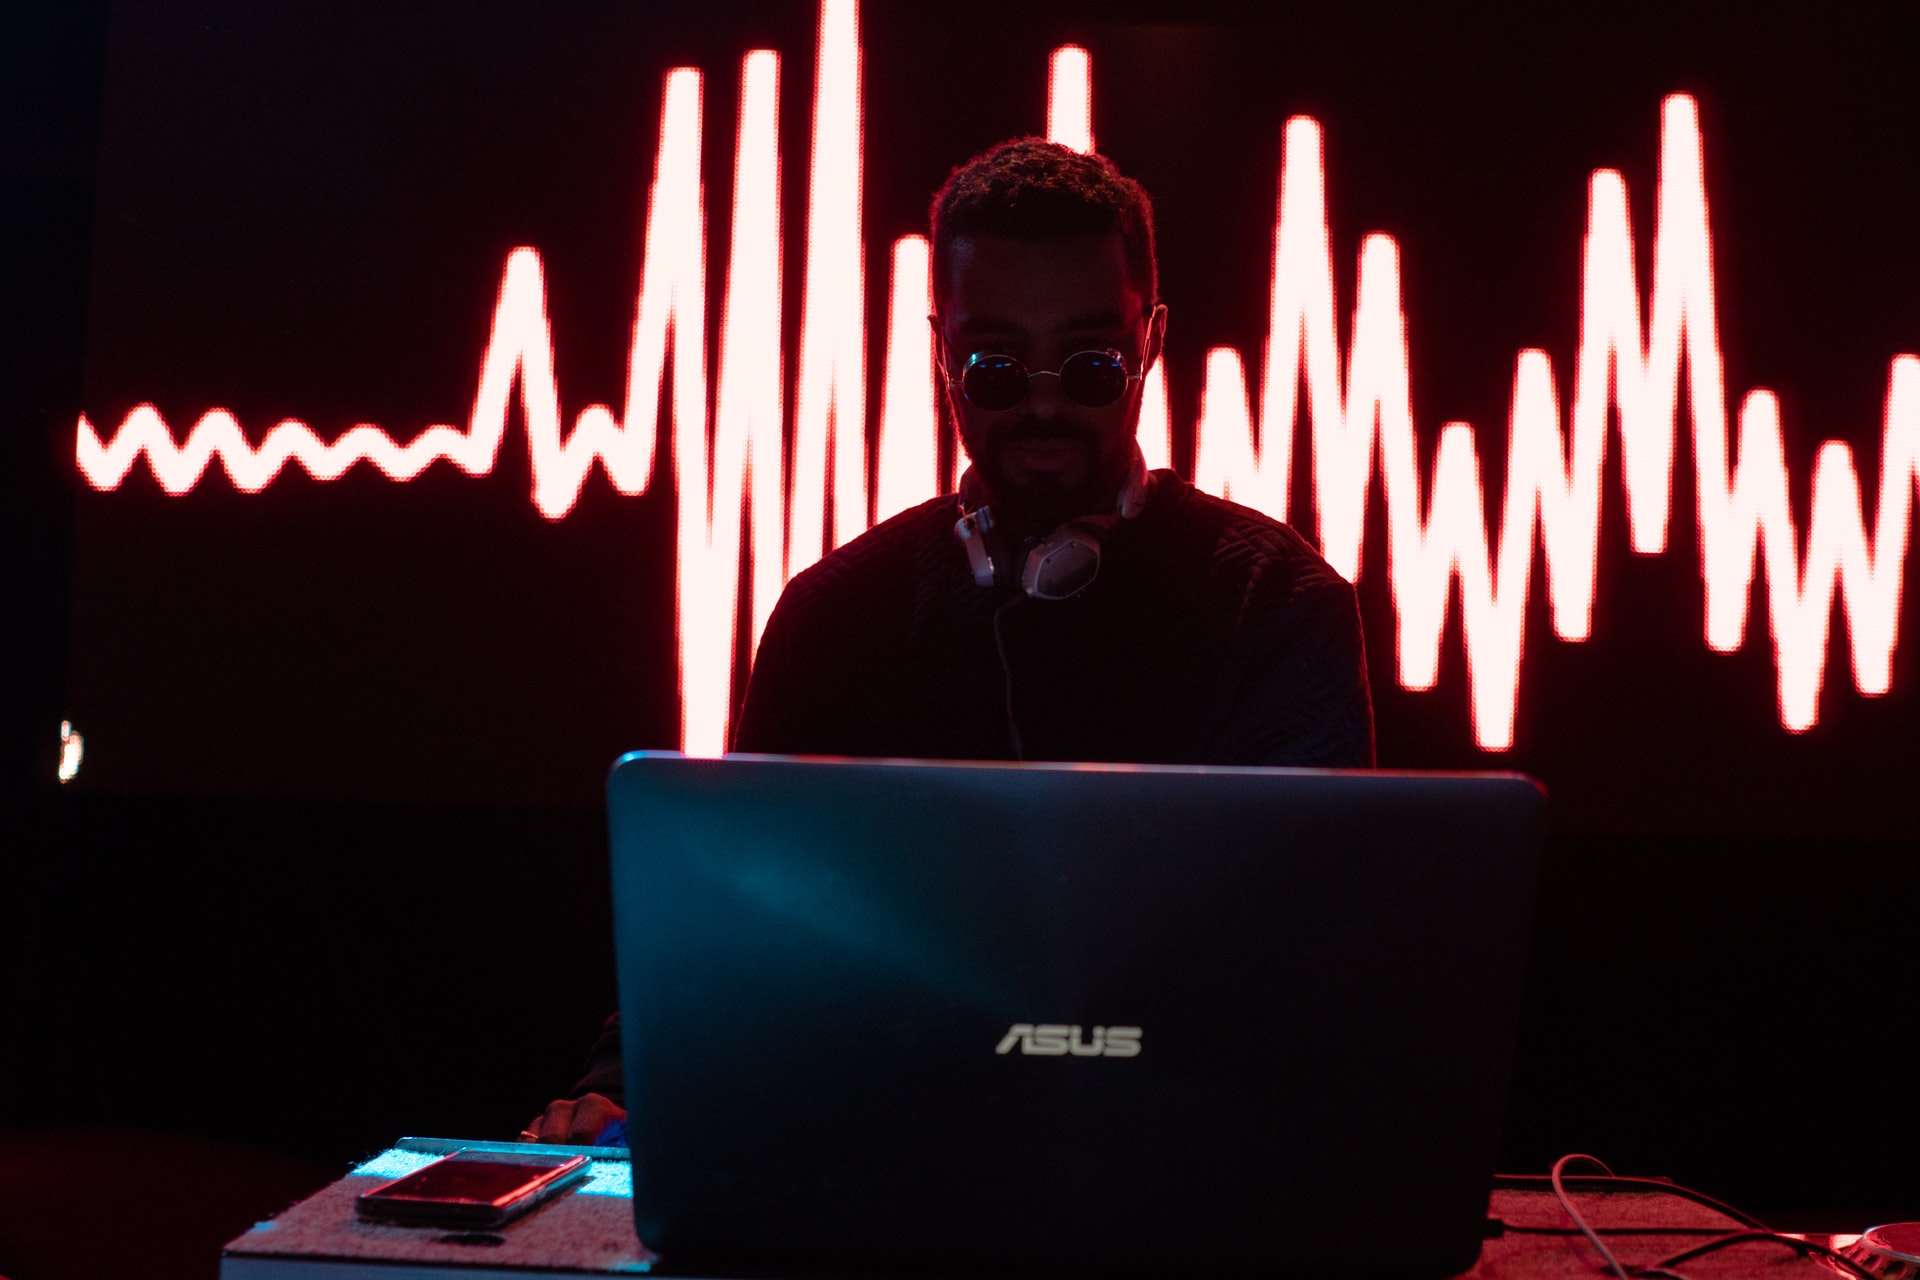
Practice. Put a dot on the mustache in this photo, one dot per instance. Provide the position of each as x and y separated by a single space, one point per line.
1027 429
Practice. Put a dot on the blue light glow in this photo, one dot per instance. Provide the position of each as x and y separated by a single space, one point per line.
608 1178
604 1177
393 1163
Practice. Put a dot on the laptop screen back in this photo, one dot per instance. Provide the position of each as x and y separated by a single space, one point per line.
912 1015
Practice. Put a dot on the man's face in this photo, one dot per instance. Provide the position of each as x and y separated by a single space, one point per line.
1047 459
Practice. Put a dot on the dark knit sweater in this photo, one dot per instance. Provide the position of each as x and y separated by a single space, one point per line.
1212 635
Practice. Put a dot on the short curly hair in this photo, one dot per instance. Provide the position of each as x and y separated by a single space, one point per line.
1033 189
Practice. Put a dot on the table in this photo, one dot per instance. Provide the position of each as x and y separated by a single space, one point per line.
589 1232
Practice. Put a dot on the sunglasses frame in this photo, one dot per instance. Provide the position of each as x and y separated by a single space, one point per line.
958 384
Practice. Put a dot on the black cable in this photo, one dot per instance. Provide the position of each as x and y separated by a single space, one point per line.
1006 677
1560 1193
1509 1229
1804 1248
1517 1181
1758 1231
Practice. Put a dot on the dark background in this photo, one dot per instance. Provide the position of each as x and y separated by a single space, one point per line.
334 868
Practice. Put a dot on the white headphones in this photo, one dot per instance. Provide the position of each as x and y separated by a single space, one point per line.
1063 563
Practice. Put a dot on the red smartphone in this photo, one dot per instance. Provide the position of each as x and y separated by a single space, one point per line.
472 1188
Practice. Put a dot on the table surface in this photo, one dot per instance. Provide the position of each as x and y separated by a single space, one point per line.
590 1232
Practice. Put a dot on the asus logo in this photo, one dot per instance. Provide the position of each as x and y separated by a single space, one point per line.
1053 1040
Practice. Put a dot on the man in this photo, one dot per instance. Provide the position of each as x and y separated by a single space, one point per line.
1065 605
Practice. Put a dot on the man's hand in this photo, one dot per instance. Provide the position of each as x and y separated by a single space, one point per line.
575 1122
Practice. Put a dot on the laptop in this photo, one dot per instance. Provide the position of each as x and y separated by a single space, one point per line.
904 1016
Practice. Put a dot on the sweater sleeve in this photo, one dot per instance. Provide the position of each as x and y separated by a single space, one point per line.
605 1074
1304 699
780 714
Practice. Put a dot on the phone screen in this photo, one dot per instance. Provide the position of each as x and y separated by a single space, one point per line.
471 1183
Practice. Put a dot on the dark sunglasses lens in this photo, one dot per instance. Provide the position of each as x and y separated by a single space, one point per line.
1094 379
994 382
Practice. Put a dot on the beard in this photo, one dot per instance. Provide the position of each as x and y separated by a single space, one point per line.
1040 474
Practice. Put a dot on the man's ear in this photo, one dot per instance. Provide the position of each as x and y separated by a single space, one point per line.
937 334
1156 335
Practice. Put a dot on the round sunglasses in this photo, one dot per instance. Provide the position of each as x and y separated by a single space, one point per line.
1090 379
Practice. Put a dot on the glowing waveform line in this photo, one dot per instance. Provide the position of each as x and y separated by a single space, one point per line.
1070 98
1741 505
519 349
744 465
1070 123
830 414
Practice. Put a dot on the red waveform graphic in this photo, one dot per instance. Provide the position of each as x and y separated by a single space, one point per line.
1364 419
725 445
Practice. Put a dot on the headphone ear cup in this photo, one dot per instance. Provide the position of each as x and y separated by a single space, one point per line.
972 528
1133 494
1064 563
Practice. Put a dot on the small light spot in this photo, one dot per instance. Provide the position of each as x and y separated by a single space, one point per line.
71 746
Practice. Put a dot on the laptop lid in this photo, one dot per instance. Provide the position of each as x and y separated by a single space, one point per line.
910 1015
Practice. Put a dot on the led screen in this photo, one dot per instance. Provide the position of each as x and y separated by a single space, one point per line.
464 382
